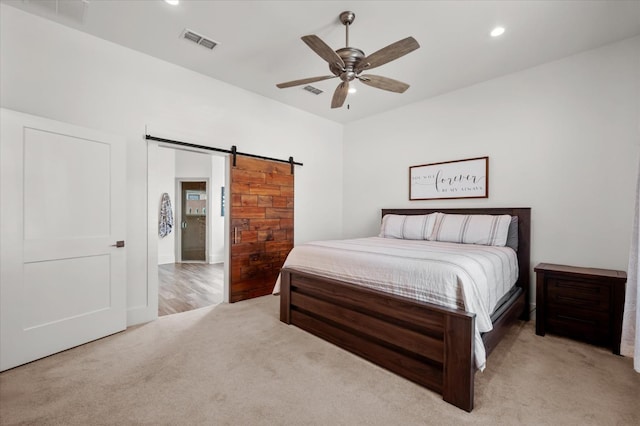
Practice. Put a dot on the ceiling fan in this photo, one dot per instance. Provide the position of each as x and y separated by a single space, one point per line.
349 62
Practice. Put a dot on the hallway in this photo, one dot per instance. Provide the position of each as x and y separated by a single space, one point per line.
186 286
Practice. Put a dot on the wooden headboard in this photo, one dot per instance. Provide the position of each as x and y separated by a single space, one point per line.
524 236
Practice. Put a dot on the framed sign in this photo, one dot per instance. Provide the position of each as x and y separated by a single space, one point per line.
450 179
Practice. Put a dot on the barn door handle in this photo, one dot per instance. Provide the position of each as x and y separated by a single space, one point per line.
235 235
118 244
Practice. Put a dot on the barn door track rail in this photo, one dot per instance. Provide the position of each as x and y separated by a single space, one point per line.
233 151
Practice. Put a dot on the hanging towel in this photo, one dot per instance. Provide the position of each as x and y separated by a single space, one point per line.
166 216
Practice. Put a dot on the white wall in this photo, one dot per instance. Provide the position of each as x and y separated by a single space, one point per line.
562 138
53 71
192 165
166 182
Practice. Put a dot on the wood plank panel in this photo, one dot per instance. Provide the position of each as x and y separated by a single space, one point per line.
242 188
249 200
249 236
248 249
287 191
259 258
258 165
264 224
406 366
247 212
273 246
282 213
280 235
279 179
261 214
278 202
373 327
265 200
286 223
412 314
264 189
250 176
236 199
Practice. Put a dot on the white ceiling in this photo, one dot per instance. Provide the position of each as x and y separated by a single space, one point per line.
260 40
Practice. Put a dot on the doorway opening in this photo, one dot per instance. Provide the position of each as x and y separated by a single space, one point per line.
191 259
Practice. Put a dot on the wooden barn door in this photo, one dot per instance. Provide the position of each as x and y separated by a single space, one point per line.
261 211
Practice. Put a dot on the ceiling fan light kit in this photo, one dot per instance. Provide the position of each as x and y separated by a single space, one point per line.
348 63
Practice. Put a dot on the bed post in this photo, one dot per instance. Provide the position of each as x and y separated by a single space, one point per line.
285 297
524 256
459 368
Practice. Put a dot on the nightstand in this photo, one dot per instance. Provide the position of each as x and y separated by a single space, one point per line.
582 303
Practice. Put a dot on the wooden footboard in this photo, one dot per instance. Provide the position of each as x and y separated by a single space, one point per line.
428 344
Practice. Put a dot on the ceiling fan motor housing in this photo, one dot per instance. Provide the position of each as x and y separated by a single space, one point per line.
351 57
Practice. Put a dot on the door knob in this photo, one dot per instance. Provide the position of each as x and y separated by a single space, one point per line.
118 244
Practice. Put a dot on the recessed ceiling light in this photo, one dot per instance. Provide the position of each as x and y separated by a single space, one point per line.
352 89
497 31
173 2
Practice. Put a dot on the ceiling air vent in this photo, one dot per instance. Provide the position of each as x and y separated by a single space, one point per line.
199 39
312 89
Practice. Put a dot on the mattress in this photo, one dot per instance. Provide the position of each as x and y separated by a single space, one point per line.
470 277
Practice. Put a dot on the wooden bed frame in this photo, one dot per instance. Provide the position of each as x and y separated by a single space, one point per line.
426 343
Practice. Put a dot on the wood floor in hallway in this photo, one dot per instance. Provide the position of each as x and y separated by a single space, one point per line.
186 286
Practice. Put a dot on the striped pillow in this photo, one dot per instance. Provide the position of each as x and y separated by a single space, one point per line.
408 227
488 230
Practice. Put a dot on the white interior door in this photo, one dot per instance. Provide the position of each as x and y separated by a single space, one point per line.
62 200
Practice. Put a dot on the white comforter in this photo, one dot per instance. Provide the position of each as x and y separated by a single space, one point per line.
464 276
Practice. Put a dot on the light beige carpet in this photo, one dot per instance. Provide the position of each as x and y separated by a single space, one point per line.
238 365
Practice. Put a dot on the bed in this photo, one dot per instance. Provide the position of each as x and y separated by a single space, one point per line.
427 343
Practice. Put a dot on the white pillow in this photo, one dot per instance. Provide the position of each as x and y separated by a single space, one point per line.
409 227
488 230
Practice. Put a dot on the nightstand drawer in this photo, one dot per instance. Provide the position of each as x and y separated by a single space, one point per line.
578 294
590 326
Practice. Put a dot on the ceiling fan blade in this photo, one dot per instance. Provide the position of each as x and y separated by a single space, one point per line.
324 51
384 83
303 81
389 53
340 95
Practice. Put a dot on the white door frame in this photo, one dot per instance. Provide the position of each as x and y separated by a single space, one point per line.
152 226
